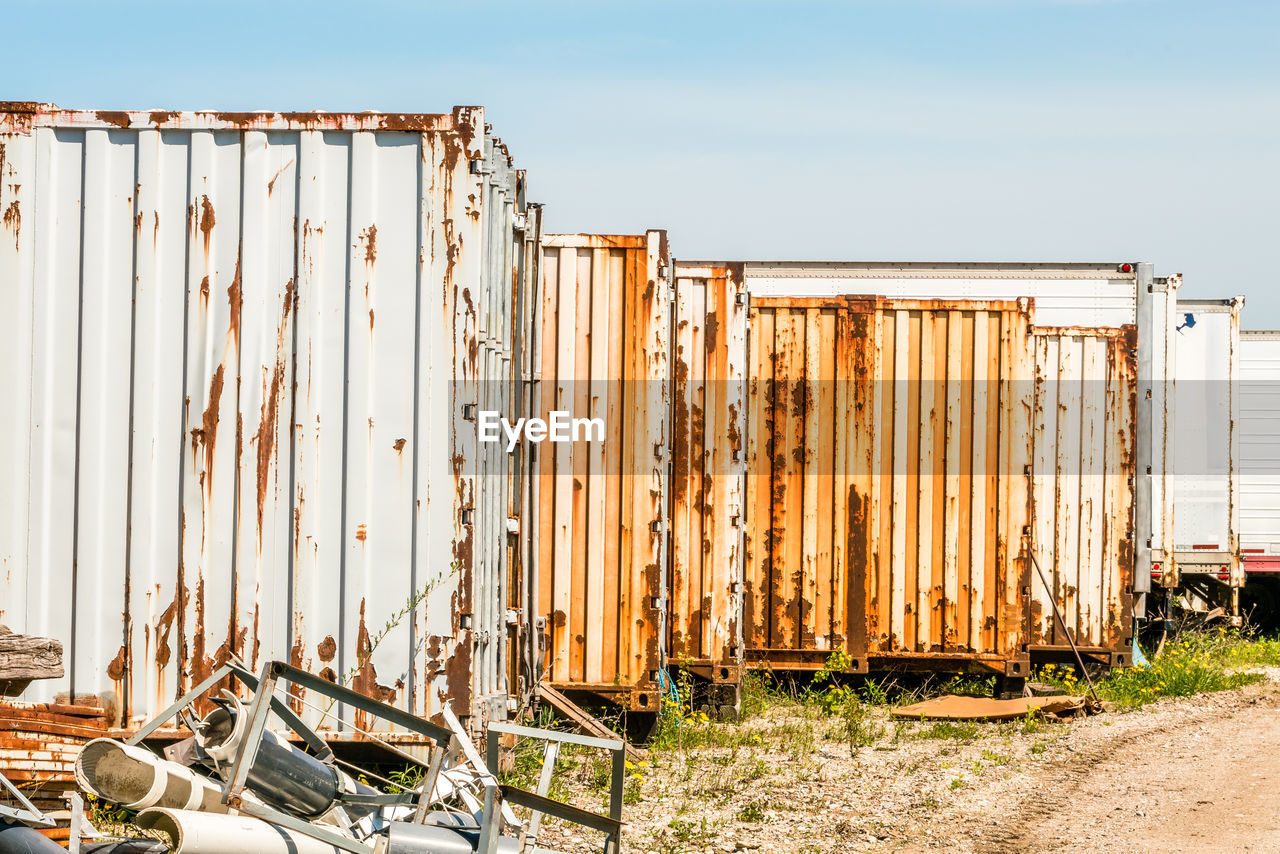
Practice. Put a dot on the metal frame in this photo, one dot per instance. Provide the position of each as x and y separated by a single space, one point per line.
610 825
450 744
26 812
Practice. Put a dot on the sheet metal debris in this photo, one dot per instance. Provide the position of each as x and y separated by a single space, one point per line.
956 708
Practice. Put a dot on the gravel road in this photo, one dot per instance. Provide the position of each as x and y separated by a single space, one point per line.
1197 775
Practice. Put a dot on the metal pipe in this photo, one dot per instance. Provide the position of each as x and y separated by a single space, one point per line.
408 838
20 839
207 833
1053 600
136 778
281 774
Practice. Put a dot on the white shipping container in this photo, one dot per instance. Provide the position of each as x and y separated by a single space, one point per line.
1259 426
241 352
1207 446
1066 294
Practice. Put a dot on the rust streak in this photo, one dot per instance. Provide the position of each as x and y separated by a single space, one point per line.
270 415
118 118
13 221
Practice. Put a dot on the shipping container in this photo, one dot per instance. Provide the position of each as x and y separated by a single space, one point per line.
1083 471
243 357
888 454
602 502
1206 451
1259 427
707 471
1105 295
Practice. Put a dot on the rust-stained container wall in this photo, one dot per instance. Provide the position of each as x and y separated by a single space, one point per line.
240 349
601 505
707 469
1107 295
1083 476
887 490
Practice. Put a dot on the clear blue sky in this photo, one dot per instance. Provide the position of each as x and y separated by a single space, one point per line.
914 130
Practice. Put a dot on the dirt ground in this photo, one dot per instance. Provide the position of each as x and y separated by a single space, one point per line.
1180 775
1191 775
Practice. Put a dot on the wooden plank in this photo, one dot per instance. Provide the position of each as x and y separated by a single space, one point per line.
24 657
584 721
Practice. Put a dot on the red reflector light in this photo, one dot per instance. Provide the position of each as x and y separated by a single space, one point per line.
1126 268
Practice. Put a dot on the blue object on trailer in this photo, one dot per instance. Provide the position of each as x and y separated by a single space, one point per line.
1139 660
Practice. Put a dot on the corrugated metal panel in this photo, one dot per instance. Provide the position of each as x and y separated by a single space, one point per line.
601 527
707 468
1083 471
1065 294
1206 450
888 444
244 343
1260 449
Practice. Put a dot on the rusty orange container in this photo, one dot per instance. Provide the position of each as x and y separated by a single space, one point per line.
600 514
708 469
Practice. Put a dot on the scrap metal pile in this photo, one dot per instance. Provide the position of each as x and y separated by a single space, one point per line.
237 785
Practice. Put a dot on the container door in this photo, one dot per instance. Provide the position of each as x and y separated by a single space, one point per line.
707 469
1082 528
1206 448
601 534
